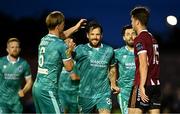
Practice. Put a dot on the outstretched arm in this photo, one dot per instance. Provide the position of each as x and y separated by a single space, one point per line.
75 28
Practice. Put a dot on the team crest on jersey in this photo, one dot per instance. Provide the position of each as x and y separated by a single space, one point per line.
124 56
20 68
4 66
139 46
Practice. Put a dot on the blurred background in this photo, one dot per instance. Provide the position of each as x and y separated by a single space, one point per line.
25 19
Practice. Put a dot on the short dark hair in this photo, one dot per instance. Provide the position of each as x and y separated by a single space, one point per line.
141 13
124 29
53 19
92 25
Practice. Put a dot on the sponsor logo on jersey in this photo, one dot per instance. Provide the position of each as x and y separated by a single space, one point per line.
98 63
139 46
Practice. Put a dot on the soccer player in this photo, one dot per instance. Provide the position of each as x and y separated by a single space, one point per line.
13 69
124 58
146 93
93 61
53 54
68 91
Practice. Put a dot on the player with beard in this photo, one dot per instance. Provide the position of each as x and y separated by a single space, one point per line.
124 58
13 69
93 61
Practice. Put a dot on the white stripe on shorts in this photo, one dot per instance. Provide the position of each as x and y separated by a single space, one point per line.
55 104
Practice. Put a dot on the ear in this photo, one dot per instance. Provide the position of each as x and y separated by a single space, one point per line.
7 50
57 27
123 38
87 35
137 22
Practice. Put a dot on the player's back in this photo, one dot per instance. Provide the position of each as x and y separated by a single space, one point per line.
50 60
146 42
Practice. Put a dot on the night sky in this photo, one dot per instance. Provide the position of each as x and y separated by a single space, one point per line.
112 15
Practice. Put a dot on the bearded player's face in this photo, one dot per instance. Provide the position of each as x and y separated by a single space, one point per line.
94 37
13 49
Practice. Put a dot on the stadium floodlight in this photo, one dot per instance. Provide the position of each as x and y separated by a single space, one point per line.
171 20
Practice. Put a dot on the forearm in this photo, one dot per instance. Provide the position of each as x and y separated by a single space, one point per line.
75 28
113 75
70 31
143 73
27 86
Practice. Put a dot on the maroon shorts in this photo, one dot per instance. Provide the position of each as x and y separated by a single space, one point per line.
153 93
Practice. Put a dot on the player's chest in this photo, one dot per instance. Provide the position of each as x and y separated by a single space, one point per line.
10 68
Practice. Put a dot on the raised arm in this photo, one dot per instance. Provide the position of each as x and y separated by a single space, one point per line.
75 28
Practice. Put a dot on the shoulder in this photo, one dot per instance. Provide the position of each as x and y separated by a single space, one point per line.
107 47
119 51
80 46
145 35
3 58
22 60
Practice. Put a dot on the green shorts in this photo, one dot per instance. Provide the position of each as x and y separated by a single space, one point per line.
123 99
15 107
87 105
69 101
45 101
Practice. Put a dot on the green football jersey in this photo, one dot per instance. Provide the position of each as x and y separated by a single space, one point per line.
12 74
51 54
66 84
93 65
126 66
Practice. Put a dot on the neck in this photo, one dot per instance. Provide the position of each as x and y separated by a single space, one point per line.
54 33
11 58
130 48
140 29
97 46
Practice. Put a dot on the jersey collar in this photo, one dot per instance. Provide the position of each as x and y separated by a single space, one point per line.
145 30
95 48
52 35
13 62
129 50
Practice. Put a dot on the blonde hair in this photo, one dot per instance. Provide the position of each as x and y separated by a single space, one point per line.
53 19
13 40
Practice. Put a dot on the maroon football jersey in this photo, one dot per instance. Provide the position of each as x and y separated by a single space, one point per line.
145 42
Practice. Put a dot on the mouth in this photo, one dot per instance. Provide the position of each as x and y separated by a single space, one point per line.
94 41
